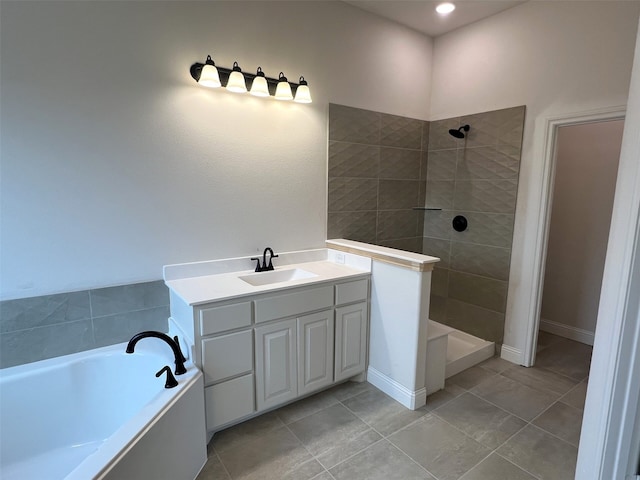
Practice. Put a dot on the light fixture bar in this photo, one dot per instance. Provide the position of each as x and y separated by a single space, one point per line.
224 73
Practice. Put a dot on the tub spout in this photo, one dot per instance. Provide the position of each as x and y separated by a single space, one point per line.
173 343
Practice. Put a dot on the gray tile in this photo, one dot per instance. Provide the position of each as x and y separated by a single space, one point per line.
397 224
437 224
494 467
424 162
396 131
444 396
439 137
381 412
399 194
439 194
381 461
496 364
413 244
510 126
26 313
126 298
440 282
437 247
540 379
442 165
323 476
562 421
112 329
353 160
352 194
477 321
399 163
359 226
471 377
566 357
328 430
26 346
484 128
306 471
246 432
489 196
443 450
425 135
437 308
541 454
489 163
494 229
213 470
576 397
305 407
514 397
335 455
354 125
482 421
350 389
275 454
480 291
492 262
546 339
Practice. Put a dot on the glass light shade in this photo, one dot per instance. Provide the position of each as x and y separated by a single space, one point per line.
236 81
303 94
283 89
209 77
259 88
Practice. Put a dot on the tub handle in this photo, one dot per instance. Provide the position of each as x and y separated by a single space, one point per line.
171 380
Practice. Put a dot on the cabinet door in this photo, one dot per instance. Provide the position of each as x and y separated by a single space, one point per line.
315 351
351 340
276 364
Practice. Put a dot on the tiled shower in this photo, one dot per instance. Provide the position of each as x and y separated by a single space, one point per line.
476 177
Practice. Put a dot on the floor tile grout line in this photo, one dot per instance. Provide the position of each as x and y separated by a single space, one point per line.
411 459
224 467
520 467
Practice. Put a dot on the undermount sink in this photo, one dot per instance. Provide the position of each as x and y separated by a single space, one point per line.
276 276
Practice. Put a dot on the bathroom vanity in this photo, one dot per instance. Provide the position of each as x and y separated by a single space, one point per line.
265 339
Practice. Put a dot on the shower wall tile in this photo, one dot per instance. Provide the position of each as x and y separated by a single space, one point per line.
127 298
494 229
480 291
396 224
497 162
352 194
407 244
426 126
489 196
31 345
440 282
353 160
492 262
511 126
436 247
439 194
354 125
399 163
396 131
424 164
439 138
24 313
359 226
484 129
477 321
399 194
121 327
437 224
438 308
442 165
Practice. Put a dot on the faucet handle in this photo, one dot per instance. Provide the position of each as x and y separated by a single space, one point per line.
270 267
258 267
175 339
171 380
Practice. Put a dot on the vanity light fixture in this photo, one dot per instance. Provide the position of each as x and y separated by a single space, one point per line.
235 80
445 8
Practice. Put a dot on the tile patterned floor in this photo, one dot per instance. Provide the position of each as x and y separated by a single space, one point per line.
495 421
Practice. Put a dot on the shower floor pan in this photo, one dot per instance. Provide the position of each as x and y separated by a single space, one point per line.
463 350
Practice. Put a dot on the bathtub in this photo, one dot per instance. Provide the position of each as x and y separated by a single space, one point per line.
102 414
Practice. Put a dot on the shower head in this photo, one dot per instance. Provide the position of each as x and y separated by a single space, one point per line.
458 133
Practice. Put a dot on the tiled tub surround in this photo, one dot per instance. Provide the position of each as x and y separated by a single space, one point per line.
476 177
48 326
377 170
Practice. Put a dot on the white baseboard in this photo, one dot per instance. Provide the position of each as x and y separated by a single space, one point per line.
511 354
410 399
566 331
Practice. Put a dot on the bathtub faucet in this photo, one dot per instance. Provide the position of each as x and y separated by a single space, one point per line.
173 343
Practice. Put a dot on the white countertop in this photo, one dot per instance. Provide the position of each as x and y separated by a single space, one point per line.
413 261
203 282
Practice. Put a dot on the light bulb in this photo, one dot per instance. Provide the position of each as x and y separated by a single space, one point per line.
209 75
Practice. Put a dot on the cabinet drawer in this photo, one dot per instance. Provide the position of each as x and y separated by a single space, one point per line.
228 401
227 317
295 303
352 291
227 355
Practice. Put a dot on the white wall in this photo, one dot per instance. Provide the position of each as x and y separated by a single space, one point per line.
553 57
114 162
584 186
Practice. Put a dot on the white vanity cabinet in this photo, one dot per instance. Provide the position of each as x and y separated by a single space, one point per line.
261 351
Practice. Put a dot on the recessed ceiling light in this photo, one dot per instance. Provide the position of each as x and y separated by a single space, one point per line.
445 8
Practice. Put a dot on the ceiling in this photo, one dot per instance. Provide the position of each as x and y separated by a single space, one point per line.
421 15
